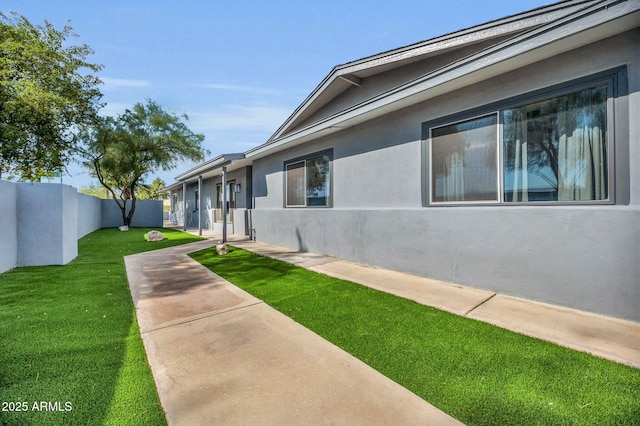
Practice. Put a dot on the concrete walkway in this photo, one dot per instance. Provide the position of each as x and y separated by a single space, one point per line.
219 355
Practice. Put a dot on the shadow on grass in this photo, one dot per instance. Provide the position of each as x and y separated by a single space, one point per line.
133 379
237 262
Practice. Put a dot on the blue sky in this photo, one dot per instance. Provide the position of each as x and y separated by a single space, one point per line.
239 68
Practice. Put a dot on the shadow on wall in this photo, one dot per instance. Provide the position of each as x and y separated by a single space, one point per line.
302 247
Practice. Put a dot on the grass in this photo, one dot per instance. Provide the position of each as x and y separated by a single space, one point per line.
69 338
480 374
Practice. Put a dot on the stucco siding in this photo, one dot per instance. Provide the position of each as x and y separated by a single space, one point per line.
45 235
69 223
9 228
43 222
586 257
89 214
148 214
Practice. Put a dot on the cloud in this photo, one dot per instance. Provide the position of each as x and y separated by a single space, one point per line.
116 83
114 109
237 128
241 89
240 117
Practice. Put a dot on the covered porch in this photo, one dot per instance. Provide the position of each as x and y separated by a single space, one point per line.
214 196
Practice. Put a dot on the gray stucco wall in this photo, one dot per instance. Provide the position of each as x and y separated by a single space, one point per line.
9 228
89 214
42 222
148 214
69 221
46 223
588 259
585 257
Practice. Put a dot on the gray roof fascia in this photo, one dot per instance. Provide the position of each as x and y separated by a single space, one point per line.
209 166
426 86
526 20
173 186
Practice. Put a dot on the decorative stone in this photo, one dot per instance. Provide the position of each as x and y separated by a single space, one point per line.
124 228
155 236
222 249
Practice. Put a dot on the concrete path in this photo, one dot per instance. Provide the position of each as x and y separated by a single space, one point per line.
221 356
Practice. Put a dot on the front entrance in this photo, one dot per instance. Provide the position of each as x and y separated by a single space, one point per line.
230 200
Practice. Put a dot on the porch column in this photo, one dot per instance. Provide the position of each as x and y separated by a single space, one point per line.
199 205
184 206
224 204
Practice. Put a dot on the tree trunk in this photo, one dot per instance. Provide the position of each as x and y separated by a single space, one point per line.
128 218
123 209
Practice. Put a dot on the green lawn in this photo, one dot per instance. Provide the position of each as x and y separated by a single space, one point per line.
69 338
481 374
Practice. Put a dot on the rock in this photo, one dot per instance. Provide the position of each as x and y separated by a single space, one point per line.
155 236
222 249
124 228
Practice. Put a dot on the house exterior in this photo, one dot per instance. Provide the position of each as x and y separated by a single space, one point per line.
504 156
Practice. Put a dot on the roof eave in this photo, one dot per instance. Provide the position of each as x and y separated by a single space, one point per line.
210 166
526 20
478 67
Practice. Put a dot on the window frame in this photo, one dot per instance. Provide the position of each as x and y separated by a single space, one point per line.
286 183
498 161
616 143
303 159
220 202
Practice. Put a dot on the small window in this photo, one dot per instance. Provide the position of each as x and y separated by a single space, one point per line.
464 161
296 184
197 207
308 181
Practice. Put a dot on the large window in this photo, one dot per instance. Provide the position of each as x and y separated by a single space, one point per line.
550 150
308 181
556 150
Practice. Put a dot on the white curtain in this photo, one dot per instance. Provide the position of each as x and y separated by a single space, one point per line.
581 165
453 180
520 191
570 136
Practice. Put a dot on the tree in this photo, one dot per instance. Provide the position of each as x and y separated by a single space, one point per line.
152 191
94 190
121 151
45 95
